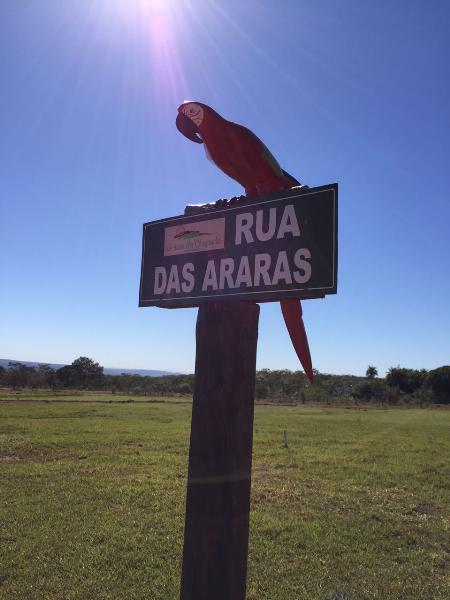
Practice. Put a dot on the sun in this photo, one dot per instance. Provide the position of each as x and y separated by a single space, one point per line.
157 28
146 8
157 5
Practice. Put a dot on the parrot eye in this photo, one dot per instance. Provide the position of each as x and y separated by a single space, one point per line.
194 112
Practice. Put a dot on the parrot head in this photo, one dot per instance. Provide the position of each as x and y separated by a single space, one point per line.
191 118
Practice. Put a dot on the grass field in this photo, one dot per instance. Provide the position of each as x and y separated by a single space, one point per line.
92 501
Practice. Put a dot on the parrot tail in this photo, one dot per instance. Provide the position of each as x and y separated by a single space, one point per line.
292 313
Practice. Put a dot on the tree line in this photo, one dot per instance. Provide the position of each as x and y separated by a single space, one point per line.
400 386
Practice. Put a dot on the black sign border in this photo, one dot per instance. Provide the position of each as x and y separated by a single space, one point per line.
205 211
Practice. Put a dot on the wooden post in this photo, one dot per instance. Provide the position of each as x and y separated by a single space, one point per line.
220 456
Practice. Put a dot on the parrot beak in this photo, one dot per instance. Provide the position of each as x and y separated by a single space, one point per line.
188 128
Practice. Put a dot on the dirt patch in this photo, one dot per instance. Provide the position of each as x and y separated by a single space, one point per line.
425 509
35 458
9 459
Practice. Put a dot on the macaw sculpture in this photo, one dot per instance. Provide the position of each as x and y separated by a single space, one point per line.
241 155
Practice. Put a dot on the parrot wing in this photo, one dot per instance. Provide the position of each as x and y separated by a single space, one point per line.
252 141
263 154
290 178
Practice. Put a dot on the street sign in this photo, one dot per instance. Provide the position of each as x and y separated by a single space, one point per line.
282 245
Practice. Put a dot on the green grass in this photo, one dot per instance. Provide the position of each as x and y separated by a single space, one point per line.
28 395
92 502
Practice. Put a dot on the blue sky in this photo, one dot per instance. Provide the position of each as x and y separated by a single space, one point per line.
354 92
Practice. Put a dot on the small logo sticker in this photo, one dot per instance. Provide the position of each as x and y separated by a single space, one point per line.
194 237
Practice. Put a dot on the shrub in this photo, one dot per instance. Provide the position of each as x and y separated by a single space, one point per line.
406 380
439 382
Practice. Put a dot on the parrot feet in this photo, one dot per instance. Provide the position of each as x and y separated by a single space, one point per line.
195 209
223 202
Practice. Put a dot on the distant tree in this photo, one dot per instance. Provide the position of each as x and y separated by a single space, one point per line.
369 389
89 374
67 376
439 382
184 388
18 375
331 388
371 372
283 385
393 395
423 395
82 373
46 376
406 380
2 374
263 388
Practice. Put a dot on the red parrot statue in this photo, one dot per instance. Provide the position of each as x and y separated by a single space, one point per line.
241 155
